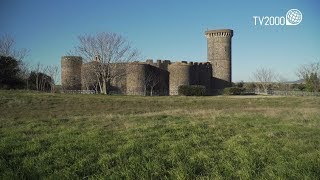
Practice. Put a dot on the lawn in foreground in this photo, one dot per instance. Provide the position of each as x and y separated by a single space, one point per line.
95 136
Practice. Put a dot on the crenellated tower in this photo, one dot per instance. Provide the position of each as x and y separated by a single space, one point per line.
219 55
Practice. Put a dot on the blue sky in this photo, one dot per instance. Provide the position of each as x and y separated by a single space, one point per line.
167 29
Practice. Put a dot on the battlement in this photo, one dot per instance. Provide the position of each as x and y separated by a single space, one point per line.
189 73
192 64
72 59
160 63
219 33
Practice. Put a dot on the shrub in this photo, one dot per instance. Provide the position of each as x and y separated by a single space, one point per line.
233 91
250 86
239 84
10 73
192 90
302 87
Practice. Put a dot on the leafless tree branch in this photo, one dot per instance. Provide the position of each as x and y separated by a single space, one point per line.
264 77
7 48
111 51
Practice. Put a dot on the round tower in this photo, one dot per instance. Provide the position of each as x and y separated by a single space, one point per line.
219 55
71 72
180 74
136 73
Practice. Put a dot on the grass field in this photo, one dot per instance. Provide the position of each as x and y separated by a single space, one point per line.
59 136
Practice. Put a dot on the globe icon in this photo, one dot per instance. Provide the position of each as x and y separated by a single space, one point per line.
294 17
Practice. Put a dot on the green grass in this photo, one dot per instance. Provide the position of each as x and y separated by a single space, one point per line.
60 136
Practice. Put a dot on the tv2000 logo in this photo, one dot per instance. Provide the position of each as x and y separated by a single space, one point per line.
293 17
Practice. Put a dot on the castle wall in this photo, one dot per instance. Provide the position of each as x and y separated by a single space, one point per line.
164 82
146 78
71 72
205 75
88 76
194 73
139 78
119 83
157 81
161 77
162 64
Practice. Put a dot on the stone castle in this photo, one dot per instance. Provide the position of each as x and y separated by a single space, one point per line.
162 77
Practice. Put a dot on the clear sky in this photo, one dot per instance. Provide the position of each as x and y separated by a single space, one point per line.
169 29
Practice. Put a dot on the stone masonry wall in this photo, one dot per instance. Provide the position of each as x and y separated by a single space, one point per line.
219 54
71 72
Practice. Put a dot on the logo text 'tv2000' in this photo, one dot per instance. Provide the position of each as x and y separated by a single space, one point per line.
293 17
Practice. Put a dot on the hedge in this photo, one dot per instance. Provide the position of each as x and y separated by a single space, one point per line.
192 90
233 91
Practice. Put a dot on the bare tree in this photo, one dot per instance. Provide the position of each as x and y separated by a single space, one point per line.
53 72
280 82
43 79
264 77
307 69
24 72
37 69
110 50
153 84
88 77
310 73
152 79
7 48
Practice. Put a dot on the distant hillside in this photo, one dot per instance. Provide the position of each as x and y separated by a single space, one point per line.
288 82
296 82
